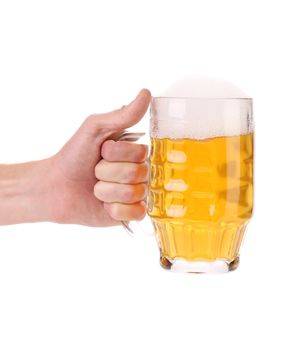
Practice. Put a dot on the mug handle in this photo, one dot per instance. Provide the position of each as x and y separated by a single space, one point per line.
131 137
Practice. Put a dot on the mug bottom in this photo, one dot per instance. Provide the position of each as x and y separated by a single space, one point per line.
212 267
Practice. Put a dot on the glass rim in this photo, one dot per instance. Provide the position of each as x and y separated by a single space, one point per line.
203 98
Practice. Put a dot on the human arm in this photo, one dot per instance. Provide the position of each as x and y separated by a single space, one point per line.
68 188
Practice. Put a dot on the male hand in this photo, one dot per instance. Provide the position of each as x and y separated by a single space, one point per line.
95 180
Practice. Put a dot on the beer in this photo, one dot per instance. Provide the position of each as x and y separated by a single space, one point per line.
201 176
200 196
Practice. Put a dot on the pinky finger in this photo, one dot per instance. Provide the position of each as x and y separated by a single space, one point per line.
126 212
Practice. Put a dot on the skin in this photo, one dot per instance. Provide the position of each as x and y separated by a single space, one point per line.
93 180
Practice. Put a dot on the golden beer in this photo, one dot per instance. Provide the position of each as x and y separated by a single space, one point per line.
201 196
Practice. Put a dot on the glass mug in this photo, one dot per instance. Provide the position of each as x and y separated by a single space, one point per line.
200 196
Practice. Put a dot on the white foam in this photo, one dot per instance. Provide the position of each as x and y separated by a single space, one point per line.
201 108
203 87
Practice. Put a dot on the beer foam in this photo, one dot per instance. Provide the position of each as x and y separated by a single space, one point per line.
200 108
203 87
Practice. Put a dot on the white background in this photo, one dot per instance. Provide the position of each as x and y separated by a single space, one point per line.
72 287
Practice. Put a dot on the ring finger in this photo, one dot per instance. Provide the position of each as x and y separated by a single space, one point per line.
122 193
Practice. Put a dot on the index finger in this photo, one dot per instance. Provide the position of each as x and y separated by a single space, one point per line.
123 151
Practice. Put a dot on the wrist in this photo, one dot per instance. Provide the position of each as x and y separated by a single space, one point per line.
25 192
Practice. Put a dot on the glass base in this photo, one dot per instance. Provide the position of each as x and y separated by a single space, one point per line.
181 265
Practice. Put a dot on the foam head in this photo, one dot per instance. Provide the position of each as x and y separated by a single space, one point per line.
201 108
203 87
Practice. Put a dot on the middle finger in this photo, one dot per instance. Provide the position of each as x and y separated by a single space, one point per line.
121 172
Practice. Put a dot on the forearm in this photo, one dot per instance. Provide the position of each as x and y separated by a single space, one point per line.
24 193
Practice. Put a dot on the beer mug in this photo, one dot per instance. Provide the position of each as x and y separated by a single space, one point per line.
200 195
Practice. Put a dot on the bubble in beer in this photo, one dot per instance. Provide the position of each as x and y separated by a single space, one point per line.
200 108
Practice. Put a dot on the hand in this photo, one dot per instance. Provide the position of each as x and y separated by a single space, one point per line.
96 181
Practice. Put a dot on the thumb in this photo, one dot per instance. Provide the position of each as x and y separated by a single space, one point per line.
126 116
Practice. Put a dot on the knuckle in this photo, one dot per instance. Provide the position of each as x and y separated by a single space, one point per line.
133 173
123 112
140 211
144 190
115 211
129 193
99 169
144 170
107 149
96 171
96 190
119 146
101 191
90 118
141 153
90 121
142 216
